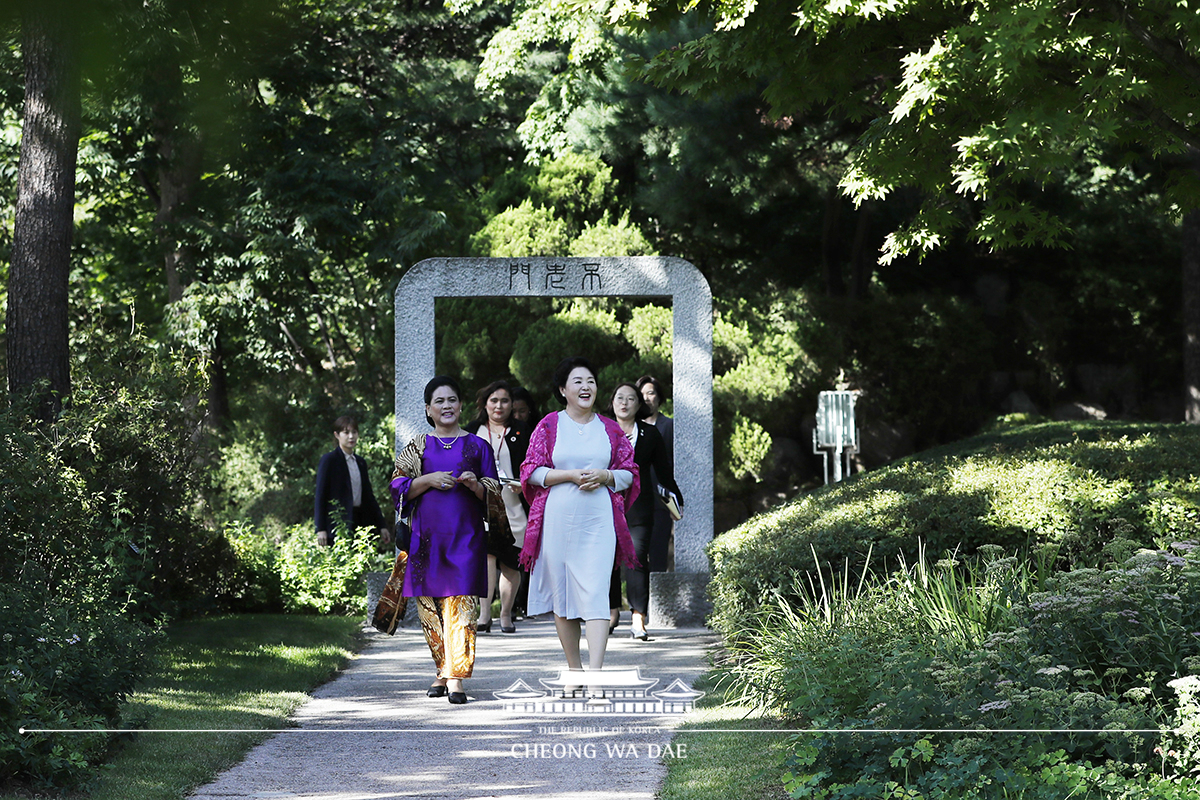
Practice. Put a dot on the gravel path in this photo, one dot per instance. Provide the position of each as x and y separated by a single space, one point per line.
373 734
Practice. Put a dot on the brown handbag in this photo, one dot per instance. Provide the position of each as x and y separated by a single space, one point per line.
392 603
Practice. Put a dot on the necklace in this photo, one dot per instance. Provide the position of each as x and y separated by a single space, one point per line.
492 437
580 428
496 448
446 445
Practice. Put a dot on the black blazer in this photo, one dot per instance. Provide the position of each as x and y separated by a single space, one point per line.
651 451
333 487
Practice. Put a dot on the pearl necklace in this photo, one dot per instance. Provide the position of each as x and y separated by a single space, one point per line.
445 445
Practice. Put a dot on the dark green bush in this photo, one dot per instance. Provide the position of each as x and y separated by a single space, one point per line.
1090 492
102 537
106 497
68 663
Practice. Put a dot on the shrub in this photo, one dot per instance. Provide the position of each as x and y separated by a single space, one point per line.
525 230
1087 492
257 584
107 494
68 663
328 580
1053 662
582 328
101 536
611 239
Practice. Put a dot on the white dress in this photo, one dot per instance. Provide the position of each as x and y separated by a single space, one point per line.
579 541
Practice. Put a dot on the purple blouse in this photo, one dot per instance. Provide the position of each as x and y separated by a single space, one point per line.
447 554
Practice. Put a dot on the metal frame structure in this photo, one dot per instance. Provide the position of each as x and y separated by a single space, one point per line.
836 431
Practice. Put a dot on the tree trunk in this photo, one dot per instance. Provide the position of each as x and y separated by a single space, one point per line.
1191 315
179 164
37 328
217 417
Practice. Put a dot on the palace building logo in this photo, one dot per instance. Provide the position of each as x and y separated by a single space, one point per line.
605 691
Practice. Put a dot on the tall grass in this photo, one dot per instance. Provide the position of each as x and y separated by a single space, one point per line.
813 649
963 603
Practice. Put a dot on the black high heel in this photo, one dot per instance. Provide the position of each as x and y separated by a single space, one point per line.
483 629
437 690
458 698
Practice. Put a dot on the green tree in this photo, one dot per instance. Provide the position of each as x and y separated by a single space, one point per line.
976 105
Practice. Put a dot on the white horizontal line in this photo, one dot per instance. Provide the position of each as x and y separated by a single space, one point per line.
272 730
923 730
487 730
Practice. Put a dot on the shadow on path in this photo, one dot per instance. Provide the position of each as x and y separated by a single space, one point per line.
373 734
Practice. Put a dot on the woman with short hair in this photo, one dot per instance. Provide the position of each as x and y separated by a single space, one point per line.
580 478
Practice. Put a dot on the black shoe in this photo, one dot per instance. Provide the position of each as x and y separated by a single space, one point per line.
437 690
458 698
508 628
483 629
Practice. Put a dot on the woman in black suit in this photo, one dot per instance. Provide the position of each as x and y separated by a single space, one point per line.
345 497
509 438
649 450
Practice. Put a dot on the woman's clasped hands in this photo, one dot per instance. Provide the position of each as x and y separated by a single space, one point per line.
588 480
445 481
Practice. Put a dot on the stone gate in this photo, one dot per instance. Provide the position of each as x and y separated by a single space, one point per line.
677 599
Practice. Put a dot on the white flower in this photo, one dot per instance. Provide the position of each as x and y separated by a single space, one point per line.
1053 670
1188 683
995 705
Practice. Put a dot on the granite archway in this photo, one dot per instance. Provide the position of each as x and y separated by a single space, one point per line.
677 598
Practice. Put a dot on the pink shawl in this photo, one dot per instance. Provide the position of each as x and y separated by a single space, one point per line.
540 454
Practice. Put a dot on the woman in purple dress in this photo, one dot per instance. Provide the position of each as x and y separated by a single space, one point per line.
439 486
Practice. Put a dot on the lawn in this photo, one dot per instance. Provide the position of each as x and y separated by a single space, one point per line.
231 673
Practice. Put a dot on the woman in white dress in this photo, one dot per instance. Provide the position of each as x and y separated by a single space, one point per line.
580 478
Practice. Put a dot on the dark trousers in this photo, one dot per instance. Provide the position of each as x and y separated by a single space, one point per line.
637 581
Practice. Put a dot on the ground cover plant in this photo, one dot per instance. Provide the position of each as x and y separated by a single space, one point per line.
230 672
992 673
961 678
1083 493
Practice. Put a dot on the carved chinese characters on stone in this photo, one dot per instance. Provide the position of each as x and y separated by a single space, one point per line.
556 278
